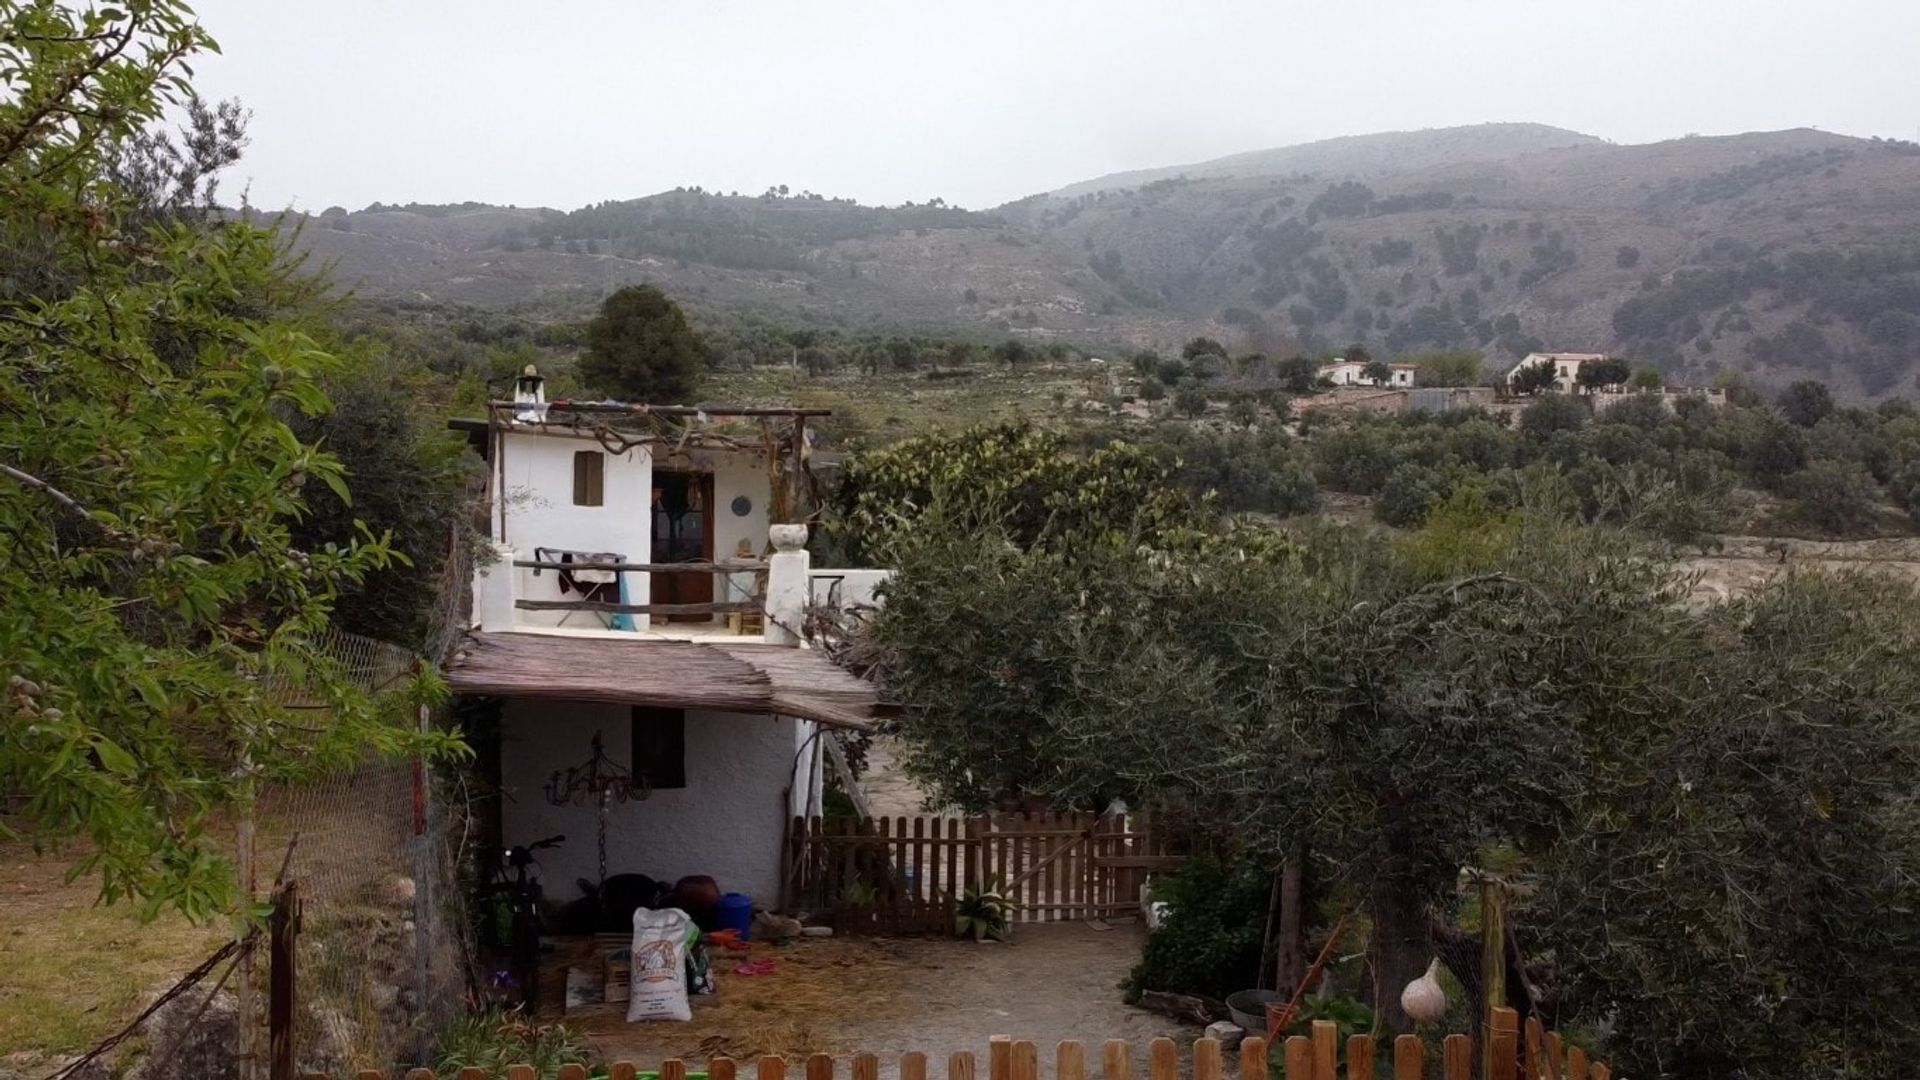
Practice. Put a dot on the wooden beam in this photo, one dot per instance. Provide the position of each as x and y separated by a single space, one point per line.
620 408
638 609
742 567
837 760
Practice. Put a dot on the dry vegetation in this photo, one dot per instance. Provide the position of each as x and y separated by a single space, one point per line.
76 971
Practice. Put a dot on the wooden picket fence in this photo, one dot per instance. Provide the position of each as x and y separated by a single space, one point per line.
904 874
1539 1056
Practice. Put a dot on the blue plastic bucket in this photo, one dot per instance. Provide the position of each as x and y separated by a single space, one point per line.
736 913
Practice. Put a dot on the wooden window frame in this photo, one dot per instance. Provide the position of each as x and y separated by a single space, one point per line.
589 478
660 754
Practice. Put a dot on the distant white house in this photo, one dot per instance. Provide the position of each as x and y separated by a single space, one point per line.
1344 372
1566 367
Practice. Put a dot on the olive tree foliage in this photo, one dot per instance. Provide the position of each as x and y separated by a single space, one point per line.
1736 890
157 609
1019 479
1359 697
1497 684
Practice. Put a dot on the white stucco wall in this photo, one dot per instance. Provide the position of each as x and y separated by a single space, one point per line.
735 475
727 822
536 510
851 588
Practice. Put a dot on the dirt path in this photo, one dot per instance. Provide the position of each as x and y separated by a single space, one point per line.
1745 563
888 996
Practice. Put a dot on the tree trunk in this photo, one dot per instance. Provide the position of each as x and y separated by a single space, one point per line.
1289 954
1399 948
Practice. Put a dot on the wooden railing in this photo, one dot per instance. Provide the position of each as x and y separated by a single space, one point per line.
605 607
738 566
901 874
1321 1056
754 604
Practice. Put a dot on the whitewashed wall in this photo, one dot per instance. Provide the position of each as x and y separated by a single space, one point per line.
727 822
735 475
850 588
536 510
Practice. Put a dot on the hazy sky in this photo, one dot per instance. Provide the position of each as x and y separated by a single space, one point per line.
564 102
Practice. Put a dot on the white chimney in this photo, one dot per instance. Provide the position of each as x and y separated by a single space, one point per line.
530 396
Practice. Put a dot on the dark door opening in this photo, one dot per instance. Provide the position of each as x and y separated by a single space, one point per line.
682 532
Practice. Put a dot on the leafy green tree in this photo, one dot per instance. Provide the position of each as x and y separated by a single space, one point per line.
1152 389
1298 374
1604 373
1145 363
1409 493
1553 413
1710 953
1013 352
640 348
408 478
1533 378
1452 368
158 608
1202 346
1838 497
1805 403
1646 378
1190 399
1378 372
1013 476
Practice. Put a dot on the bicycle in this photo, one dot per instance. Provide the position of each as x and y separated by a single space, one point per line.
522 894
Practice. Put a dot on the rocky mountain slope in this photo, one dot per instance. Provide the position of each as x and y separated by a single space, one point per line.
1785 254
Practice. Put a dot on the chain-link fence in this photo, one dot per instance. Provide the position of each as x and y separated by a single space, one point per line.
383 953
379 854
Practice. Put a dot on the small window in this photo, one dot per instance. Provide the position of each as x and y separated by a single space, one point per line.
589 478
660 746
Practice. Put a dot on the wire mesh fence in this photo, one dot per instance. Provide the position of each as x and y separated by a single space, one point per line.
383 955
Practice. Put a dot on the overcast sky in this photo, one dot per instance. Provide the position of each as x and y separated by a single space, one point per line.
565 102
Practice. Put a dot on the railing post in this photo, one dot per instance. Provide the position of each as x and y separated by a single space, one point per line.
496 590
283 926
787 574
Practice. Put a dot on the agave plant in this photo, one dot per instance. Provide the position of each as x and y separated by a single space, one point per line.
983 913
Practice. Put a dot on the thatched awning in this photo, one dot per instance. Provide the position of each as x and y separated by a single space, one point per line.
722 676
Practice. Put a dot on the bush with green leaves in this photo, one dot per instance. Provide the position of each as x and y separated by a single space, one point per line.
1554 413
1209 943
1837 497
1409 492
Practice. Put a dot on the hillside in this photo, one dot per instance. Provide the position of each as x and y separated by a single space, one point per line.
1785 254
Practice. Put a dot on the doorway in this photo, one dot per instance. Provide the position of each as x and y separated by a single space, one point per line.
682 532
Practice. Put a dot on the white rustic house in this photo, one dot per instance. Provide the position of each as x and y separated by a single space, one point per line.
1566 367
644 600
1343 372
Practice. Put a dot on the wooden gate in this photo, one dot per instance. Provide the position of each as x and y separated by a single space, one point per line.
904 875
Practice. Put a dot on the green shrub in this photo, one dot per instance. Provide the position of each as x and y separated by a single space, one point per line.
1210 941
493 1041
1409 493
